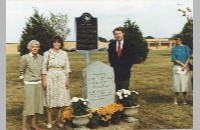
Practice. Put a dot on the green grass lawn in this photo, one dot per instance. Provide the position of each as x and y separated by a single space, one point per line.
152 79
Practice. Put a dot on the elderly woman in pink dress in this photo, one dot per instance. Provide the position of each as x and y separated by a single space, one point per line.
55 78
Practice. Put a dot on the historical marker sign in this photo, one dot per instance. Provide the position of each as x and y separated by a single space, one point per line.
86 32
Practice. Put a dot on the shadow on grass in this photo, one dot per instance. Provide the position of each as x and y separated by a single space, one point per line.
153 98
158 111
14 111
13 118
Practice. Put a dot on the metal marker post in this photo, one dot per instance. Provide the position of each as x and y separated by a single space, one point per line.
87 54
87 58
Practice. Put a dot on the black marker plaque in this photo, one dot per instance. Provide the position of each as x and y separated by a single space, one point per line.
86 32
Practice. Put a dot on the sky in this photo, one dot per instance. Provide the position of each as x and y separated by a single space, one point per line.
157 18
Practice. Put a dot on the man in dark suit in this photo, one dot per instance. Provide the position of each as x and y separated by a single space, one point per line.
121 56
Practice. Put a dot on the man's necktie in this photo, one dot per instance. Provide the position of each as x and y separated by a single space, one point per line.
119 50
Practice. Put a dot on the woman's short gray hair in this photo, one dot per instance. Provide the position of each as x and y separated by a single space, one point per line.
33 42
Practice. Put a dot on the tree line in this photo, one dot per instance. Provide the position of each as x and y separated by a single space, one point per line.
41 28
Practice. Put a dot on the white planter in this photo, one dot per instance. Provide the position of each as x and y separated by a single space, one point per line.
80 121
130 111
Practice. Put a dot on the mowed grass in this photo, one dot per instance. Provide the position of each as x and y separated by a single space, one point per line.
152 79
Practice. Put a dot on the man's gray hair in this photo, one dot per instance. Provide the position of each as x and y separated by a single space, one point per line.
33 42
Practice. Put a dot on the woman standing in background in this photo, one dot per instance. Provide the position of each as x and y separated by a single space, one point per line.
181 73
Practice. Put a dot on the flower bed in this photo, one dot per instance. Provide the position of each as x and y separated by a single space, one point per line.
104 115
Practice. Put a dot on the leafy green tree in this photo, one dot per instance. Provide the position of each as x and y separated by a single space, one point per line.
59 23
101 39
37 28
133 35
187 31
186 11
175 35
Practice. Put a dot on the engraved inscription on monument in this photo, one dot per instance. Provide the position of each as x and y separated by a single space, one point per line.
86 32
99 84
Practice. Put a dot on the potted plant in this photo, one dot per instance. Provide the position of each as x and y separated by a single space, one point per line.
67 115
117 111
94 119
80 116
105 115
129 99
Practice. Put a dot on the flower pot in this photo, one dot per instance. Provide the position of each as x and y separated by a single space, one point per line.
80 121
130 111
104 123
